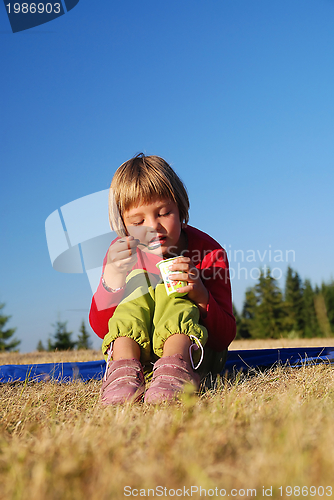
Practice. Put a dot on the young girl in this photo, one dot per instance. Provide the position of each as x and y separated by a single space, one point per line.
131 311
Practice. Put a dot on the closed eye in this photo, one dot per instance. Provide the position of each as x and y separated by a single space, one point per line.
138 223
165 215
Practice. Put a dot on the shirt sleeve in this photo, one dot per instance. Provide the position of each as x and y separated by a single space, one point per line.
103 307
219 319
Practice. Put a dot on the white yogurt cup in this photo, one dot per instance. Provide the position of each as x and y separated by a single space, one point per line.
171 286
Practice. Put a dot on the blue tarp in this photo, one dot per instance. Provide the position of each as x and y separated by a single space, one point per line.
62 372
266 358
237 360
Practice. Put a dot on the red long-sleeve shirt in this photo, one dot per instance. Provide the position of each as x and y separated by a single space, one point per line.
211 261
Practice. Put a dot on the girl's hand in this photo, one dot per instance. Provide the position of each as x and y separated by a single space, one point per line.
195 288
122 256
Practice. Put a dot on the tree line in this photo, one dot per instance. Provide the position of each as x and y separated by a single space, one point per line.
7 343
299 311
60 340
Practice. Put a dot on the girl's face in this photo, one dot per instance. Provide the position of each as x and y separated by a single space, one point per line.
158 226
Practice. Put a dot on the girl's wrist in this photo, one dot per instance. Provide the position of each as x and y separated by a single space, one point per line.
203 309
113 281
108 288
201 301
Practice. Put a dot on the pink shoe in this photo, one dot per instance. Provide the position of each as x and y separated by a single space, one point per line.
170 375
123 382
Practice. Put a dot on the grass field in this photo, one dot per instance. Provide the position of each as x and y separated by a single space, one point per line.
259 435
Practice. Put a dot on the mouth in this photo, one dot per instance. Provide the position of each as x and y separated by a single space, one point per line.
156 242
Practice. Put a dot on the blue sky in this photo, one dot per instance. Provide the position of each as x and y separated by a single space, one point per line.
236 94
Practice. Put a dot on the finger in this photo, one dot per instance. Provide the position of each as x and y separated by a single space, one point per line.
185 289
182 260
189 275
179 277
129 246
128 240
132 244
125 239
126 254
179 266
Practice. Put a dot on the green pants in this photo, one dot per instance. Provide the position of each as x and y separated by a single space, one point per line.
149 316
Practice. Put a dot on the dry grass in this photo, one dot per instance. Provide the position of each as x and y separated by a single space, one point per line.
15 358
265 429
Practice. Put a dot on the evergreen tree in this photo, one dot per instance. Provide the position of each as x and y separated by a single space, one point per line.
237 320
311 326
248 313
303 312
328 293
322 317
61 338
50 348
269 317
5 335
40 347
293 301
83 339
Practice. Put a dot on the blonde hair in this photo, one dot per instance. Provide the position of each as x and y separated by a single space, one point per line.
138 181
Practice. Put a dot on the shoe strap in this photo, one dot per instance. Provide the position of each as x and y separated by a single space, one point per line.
195 346
110 351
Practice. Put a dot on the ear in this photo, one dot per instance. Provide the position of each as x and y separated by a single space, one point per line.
183 225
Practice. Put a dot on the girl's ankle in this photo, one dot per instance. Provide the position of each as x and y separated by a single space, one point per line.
177 344
125 348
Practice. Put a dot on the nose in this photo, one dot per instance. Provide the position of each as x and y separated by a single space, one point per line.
154 224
